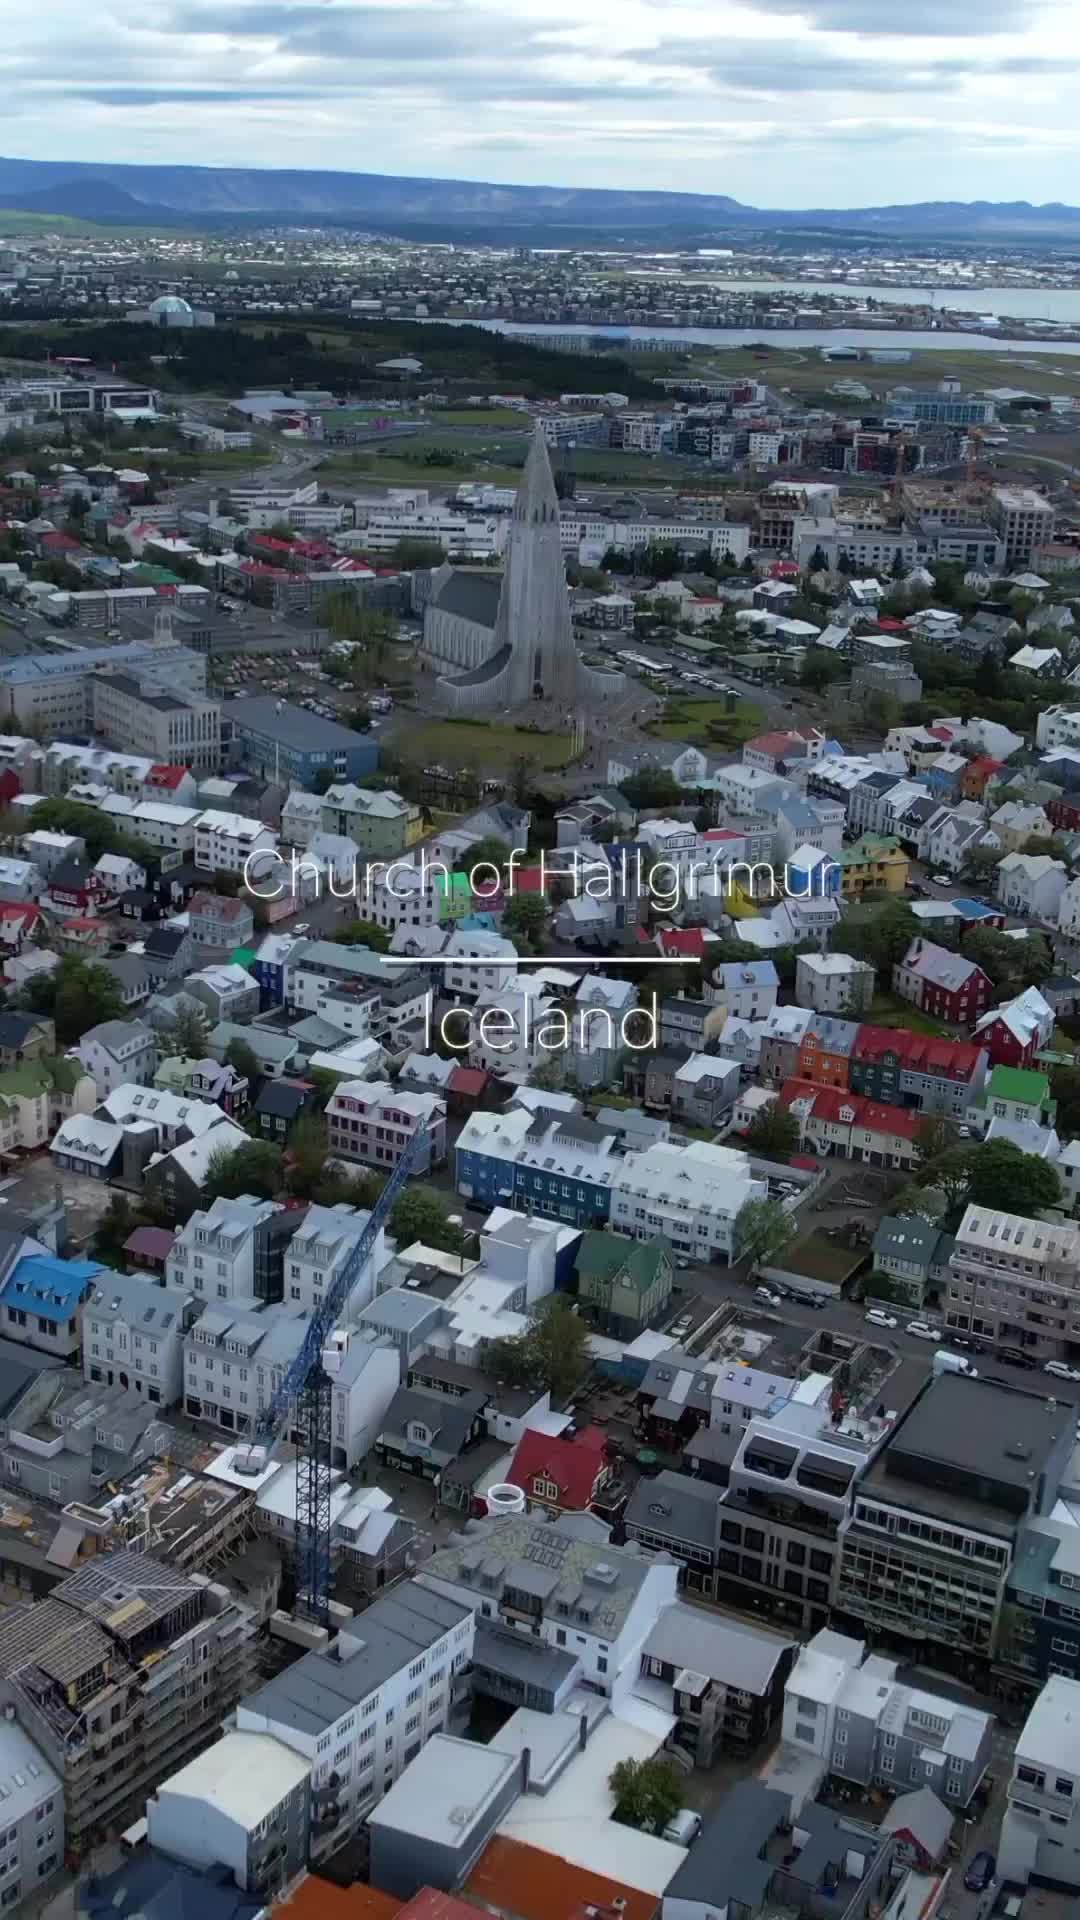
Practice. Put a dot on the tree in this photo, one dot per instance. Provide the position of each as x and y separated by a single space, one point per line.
819 668
419 1214
321 779
896 571
189 1035
305 1153
773 1130
988 676
525 918
981 862
652 787
552 1352
1010 965
883 937
1003 1176
1065 1087
762 1230
363 933
521 775
936 1136
647 1793
489 850
819 561
411 552
77 994
253 1168
881 711
113 1228
240 1056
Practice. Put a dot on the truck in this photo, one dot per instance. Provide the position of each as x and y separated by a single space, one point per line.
945 1362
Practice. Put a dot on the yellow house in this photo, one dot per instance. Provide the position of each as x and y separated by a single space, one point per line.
875 864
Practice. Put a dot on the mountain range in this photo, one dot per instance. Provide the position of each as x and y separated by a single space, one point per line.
388 202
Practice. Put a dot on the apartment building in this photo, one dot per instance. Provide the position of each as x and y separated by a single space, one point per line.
217 924
232 1250
1024 519
370 1120
322 1245
1040 1834
927 1551
726 1680
315 970
161 823
560 1167
1015 1282
122 1674
54 690
244 1804
360 1709
849 1709
32 1840
133 1336
790 1488
833 982
234 1360
381 824
224 841
692 1195
545 1586
182 729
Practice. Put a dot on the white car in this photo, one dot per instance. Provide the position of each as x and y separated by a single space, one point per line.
923 1330
1060 1371
302 927
766 1294
941 879
877 1318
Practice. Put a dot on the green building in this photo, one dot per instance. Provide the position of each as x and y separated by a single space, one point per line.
626 1282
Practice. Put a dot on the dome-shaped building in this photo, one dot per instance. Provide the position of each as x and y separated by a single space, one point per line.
169 310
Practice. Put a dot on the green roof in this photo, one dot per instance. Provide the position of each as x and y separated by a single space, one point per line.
28 1080
603 1255
1019 1083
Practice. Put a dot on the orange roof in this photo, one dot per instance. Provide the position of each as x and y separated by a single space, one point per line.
534 1885
318 1899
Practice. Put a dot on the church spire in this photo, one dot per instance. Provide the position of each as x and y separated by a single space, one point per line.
536 496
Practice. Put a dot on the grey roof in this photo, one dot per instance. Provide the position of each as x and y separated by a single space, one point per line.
726 1865
471 596
598 1583
128 969
716 1645
995 1436
533 1662
113 1034
139 1303
18 1366
293 726
445 1795
907 1237
678 1507
923 1815
148 1886
399 1312
449 1420
313 1694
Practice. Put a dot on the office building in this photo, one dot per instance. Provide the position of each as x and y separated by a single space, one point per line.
182 729
232 1250
1015 1282
292 747
1024 519
244 1804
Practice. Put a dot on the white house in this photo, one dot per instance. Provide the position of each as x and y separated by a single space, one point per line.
1040 1834
746 989
133 1336
1068 914
223 841
322 1245
118 1053
301 817
829 982
218 1254
1031 883
692 1195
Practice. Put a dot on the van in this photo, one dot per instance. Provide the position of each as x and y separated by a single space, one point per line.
944 1362
683 1827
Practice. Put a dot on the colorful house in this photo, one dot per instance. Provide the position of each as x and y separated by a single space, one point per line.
561 1473
875 864
825 1053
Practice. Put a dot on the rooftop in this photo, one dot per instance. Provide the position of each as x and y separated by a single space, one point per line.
446 1790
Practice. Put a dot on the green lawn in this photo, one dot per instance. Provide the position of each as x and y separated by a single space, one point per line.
481 417
691 720
886 1010
397 473
487 749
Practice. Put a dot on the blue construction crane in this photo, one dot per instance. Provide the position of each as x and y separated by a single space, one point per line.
302 1405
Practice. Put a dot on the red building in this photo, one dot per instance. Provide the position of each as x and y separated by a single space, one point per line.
942 984
1013 1034
1064 813
561 1473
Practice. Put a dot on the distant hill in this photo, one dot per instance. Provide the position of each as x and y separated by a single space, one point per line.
146 193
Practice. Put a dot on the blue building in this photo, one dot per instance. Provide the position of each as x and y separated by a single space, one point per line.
554 1165
40 1299
268 968
812 875
288 744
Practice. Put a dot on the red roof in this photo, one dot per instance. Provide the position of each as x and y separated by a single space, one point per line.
511 1877
166 776
686 942
430 1904
530 880
60 543
150 1243
833 1104
722 833
470 1081
985 763
872 1042
784 570
18 910
571 1465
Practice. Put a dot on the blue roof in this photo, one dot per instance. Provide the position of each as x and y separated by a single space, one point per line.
478 923
52 1288
974 909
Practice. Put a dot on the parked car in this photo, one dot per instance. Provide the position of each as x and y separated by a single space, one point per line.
1060 1371
941 879
980 1871
877 1317
767 1295
922 1330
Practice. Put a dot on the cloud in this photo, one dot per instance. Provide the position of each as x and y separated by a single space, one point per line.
912 19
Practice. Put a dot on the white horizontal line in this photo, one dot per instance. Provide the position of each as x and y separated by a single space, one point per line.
527 960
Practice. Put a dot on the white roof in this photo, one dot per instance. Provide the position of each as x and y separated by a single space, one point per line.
88 1139
833 963
161 1108
194 1156
243 1776
1052 1729
237 825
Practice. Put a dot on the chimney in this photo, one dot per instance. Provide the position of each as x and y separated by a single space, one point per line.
583 1732
526 1768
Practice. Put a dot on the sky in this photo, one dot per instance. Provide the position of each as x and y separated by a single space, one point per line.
784 103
